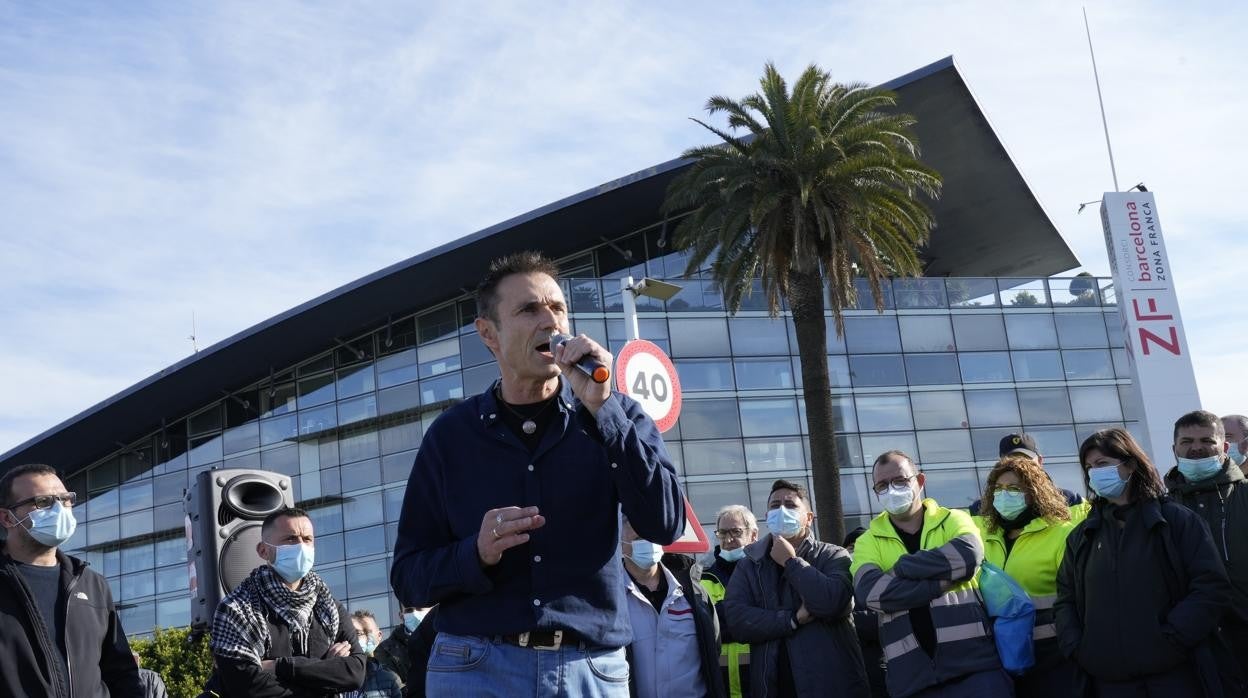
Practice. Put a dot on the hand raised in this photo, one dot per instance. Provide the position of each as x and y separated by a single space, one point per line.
781 550
591 394
505 528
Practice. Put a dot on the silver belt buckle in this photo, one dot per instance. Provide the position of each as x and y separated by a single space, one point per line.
523 641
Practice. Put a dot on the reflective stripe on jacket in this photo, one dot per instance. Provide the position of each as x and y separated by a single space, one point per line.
943 576
734 654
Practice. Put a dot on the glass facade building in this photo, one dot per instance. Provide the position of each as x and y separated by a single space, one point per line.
950 367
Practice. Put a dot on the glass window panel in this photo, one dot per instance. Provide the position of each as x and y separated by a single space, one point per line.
774 454
677 455
357 444
397 368
317 420
356 380
1023 293
103 531
990 408
326 520
585 295
877 370
277 399
844 418
103 504
872 335
1037 366
204 450
1080 330
316 390
331 482
835 342
284 460
919 293
776 417
285 427
397 467
709 497
368 541
1087 364
713 457
1122 362
1083 431
953 488
172 613
170 551
1067 476
1055 441
987 442
134 586
393 499
400 433
1113 328
398 399
448 387
397 336
137 523
437 324
979 332
708 419
1044 406
137 557
866 299
362 510
849 450
171 579
951 446
328 548
985 367
875 444
1031 330
479 378
699 337
855 495
368 578
168 517
200 423
705 374
357 409
967 292
112 562
1098 403
168 488
1130 402
926 333
241 438
336 579
440 363
764 374
759 336
138 619
933 369
472 351
938 410
366 473
883 412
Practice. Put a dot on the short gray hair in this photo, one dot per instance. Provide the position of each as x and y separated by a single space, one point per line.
741 511
1239 419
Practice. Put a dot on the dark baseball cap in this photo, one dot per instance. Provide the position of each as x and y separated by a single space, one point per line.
1020 443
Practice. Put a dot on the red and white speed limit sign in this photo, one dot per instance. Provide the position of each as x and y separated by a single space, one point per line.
644 373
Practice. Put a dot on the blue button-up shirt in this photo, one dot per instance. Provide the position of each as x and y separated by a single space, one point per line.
568 575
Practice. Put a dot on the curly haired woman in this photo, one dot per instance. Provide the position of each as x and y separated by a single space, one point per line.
1024 520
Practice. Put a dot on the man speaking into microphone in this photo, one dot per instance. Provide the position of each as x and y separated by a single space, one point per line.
511 517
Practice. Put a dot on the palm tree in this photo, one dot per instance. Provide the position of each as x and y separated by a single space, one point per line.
824 188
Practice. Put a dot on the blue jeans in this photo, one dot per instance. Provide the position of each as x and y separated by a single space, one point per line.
472 665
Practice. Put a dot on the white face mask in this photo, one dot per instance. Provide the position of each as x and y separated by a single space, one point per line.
897 500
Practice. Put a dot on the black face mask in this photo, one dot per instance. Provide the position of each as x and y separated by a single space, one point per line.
1019 521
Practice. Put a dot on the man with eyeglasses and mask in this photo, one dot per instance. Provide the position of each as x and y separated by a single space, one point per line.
280 632
916 567
791 597
735 527
59 631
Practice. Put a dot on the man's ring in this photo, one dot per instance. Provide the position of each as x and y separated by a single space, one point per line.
495 532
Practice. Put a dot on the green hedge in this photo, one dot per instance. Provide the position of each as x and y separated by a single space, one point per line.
185 666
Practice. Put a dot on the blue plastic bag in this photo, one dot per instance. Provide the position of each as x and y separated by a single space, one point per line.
1014 617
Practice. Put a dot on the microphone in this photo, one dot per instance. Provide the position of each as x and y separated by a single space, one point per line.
588 364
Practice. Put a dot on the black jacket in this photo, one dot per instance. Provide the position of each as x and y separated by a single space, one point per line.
419 647
1222 501
688 573
392 653
294 676
1162 586
100 662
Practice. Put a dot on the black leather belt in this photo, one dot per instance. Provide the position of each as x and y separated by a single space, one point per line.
544 639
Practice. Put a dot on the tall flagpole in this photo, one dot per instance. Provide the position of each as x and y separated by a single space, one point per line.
1104 123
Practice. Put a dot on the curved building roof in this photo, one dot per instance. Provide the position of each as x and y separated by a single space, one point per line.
989 224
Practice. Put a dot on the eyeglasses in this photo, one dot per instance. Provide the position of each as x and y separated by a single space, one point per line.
1012 489
43 501
899 482
730 533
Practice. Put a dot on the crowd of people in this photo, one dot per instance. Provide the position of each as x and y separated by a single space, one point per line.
530 560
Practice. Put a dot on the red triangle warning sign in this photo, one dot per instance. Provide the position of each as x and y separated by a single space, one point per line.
694 539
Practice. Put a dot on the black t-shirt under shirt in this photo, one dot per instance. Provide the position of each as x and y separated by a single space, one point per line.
920 616
45 589
514 416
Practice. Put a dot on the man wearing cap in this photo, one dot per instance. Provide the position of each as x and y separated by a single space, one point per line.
1024 444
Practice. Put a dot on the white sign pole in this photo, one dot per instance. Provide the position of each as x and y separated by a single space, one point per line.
629 300
1161 365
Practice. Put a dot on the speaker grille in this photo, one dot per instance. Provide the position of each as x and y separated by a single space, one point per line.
238 555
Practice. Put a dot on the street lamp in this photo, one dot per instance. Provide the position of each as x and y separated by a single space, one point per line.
651 288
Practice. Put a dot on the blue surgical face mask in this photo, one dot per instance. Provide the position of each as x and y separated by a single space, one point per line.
411 620
1233 453
784 522
645 554
732 555
1009 504
1105 481
1197 469
52 526
369 646
293 562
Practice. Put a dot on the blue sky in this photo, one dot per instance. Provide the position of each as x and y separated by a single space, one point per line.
234 159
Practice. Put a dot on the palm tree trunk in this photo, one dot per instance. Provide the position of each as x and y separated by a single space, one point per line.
806 300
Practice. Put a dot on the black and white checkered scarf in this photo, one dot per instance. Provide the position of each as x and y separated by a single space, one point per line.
239 628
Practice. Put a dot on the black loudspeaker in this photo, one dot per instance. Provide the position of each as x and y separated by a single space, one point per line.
224 510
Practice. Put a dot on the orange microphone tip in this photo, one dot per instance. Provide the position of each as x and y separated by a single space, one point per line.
601 374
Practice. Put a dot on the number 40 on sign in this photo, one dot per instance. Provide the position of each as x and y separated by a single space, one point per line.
644 373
